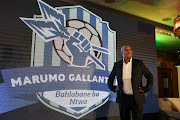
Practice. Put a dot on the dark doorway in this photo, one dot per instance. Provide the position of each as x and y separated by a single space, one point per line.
165 82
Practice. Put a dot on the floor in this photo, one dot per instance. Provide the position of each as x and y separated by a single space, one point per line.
149 116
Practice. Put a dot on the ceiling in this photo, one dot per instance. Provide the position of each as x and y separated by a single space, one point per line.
159 11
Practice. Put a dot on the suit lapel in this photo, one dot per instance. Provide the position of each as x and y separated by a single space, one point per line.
119 70
121 67
120 74
133 68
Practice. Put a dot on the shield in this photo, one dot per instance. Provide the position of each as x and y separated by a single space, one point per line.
79 42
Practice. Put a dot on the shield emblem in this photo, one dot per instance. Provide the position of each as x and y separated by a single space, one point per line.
75 39
97 31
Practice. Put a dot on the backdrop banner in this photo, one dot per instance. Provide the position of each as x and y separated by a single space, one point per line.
73 52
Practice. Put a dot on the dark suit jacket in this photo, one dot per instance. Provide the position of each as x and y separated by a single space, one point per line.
138 70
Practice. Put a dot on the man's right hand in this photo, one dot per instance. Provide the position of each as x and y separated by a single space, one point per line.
117 89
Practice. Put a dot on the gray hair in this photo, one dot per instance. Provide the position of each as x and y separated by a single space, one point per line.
122 48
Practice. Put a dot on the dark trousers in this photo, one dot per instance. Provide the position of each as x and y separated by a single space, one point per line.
128 105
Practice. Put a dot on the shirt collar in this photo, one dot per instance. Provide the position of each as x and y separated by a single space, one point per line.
128 61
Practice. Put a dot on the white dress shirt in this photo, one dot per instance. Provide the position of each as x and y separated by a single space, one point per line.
126 77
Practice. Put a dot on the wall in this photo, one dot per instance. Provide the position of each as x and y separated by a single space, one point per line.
168 61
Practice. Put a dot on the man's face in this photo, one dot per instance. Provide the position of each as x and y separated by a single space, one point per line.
127 52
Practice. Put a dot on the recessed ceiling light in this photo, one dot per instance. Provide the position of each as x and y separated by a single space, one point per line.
166 19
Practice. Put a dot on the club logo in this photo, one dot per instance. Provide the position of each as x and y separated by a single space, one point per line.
73 51
80 39
79 44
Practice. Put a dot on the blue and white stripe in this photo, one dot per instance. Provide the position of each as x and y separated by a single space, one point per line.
43 54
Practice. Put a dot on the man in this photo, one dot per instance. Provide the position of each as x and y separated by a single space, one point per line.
130 92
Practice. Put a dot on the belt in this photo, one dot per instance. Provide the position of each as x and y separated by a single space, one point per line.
127 94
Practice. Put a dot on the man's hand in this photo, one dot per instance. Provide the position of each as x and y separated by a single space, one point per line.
141 90
117 89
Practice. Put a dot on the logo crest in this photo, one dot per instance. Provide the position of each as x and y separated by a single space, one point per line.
80 42
77 37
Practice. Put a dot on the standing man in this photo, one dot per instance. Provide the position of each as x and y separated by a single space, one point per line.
130 92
